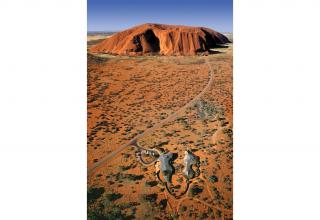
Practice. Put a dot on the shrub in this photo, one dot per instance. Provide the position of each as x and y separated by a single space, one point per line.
151 197
213 179
163 203
94 194
195 190
113 196
151 183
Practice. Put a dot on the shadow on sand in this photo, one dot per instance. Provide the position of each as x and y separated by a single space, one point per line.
221 46
215 52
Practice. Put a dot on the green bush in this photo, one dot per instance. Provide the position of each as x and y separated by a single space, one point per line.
94 193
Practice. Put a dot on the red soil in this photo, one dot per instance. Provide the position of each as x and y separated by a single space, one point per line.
161 39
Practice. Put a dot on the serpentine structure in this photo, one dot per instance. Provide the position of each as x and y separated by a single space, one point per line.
163 162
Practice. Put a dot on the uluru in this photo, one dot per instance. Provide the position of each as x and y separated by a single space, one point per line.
161 39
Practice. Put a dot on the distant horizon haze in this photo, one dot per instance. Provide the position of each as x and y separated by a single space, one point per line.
115 31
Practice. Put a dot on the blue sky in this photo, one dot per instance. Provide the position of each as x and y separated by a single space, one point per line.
116 15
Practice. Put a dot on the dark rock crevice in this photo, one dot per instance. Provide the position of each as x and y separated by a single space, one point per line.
147 42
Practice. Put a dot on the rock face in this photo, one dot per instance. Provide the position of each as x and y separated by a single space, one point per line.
161 39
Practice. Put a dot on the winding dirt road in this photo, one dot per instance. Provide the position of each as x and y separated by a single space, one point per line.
173 116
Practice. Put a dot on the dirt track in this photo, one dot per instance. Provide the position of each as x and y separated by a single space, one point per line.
173 116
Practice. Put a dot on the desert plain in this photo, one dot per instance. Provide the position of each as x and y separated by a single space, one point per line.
172 104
